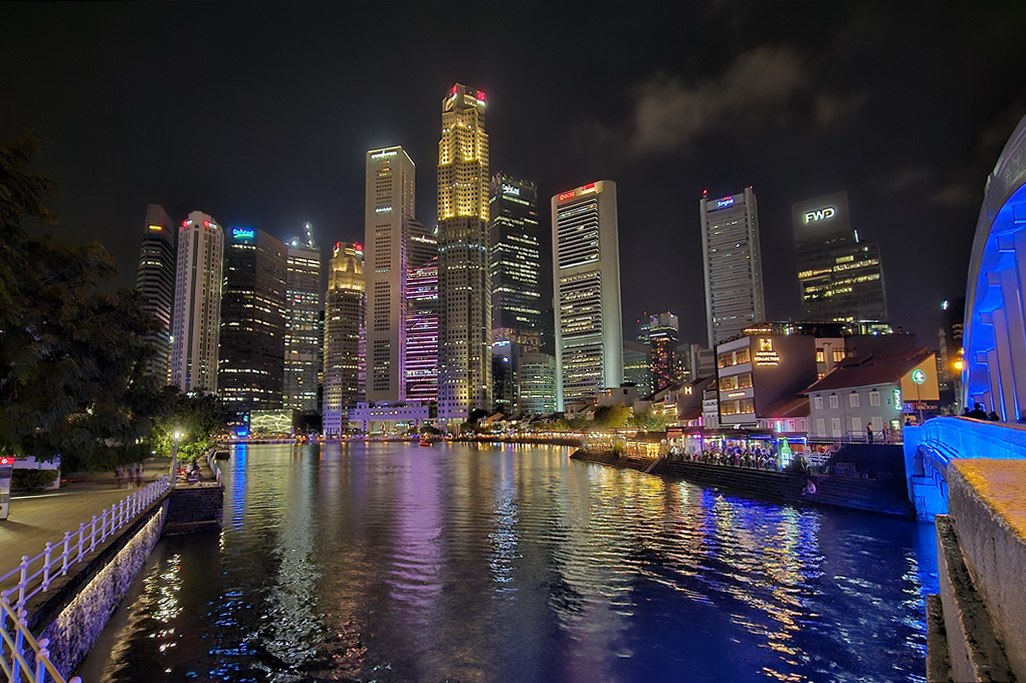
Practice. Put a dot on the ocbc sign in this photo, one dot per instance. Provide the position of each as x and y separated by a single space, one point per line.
823 214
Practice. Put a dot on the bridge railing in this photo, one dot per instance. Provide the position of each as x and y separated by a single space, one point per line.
16 641
34 574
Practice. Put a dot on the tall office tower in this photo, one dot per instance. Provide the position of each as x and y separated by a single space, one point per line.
840 275
505 357
515 243
537 384
663 336
343 335
733 264
390 201
303 337
197 313
422 332
637 365
464 285
586 282
251 367
155 282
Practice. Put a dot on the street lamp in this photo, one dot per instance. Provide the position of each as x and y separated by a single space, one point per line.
177 436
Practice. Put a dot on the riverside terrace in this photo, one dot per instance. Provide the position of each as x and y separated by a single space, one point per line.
69 557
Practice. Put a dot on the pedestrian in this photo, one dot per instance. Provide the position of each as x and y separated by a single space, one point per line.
1022 417
869 433
886 434
119 472
993 417
977 413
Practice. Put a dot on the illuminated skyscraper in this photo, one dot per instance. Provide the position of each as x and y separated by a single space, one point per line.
586 281
197 312
537 384
390 201
422 332
155 282
840 275
303 336
343 334
464 284
517 287
733 264
251 365
663 337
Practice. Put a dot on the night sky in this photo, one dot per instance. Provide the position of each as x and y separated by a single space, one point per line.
260 114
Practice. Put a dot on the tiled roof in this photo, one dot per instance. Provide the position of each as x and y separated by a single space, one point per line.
864 371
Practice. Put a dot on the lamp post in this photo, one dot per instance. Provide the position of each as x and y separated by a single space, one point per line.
177 436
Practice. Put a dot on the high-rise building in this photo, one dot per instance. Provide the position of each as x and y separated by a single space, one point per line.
197 312
505 356
537 384
637 365
518 291
663 336
733 264
464 284
586 282
422 332
303 336
155 282
840 274
251 366
390 203
343 335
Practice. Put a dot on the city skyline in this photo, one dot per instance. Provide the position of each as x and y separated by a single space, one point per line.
803 147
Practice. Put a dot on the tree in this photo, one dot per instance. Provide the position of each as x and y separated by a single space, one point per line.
71 358
612 417
196 418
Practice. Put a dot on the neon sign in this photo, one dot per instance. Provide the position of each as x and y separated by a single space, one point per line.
826 213
724 203
918 376
511 189
567 195
7 460
383 154
243 233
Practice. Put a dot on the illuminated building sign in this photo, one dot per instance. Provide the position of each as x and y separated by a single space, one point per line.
736 394
158 228
7 460
826 213
918 376
384 154
766 355
567 195
590 187
383 209
510 189
243 233
724 203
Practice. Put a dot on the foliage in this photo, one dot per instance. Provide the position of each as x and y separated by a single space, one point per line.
612 417
648 421
32 480
71 358
198 419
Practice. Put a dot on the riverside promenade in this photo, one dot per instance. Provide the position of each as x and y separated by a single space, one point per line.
37 518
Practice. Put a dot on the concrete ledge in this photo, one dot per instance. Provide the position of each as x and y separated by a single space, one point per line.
987 499
973 647
938 663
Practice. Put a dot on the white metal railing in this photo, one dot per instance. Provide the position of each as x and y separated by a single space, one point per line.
15 641
34 574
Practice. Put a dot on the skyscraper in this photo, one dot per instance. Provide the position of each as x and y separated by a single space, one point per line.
390 201
251 367
586 282
518 291
840 275
155 282
343 334
637 365
733 264
197 311
537 384
663 336
303 337
464 284
422 332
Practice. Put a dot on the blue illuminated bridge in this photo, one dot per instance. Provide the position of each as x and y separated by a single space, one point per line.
994 344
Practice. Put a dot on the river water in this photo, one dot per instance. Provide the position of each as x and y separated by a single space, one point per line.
392 562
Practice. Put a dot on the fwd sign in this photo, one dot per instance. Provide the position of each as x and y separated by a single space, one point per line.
820 215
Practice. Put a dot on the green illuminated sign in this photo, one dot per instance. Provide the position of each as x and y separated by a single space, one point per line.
918 376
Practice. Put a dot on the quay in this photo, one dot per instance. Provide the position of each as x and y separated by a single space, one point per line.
69 557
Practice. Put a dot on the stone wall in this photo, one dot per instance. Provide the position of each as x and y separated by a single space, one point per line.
75 610
195 508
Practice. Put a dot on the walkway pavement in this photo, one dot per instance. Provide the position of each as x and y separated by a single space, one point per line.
37 518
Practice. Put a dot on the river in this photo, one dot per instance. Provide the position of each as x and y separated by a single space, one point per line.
468 562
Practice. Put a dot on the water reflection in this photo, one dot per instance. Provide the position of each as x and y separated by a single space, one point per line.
387 562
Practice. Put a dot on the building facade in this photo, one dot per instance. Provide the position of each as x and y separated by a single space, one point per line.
840 275
586 285
732 264
390 204
155 283
637 365
197 311
663 338
422 332
464 281
251 365
537 384
343 336
303 335
518 291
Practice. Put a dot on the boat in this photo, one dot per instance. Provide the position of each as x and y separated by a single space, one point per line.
425 442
